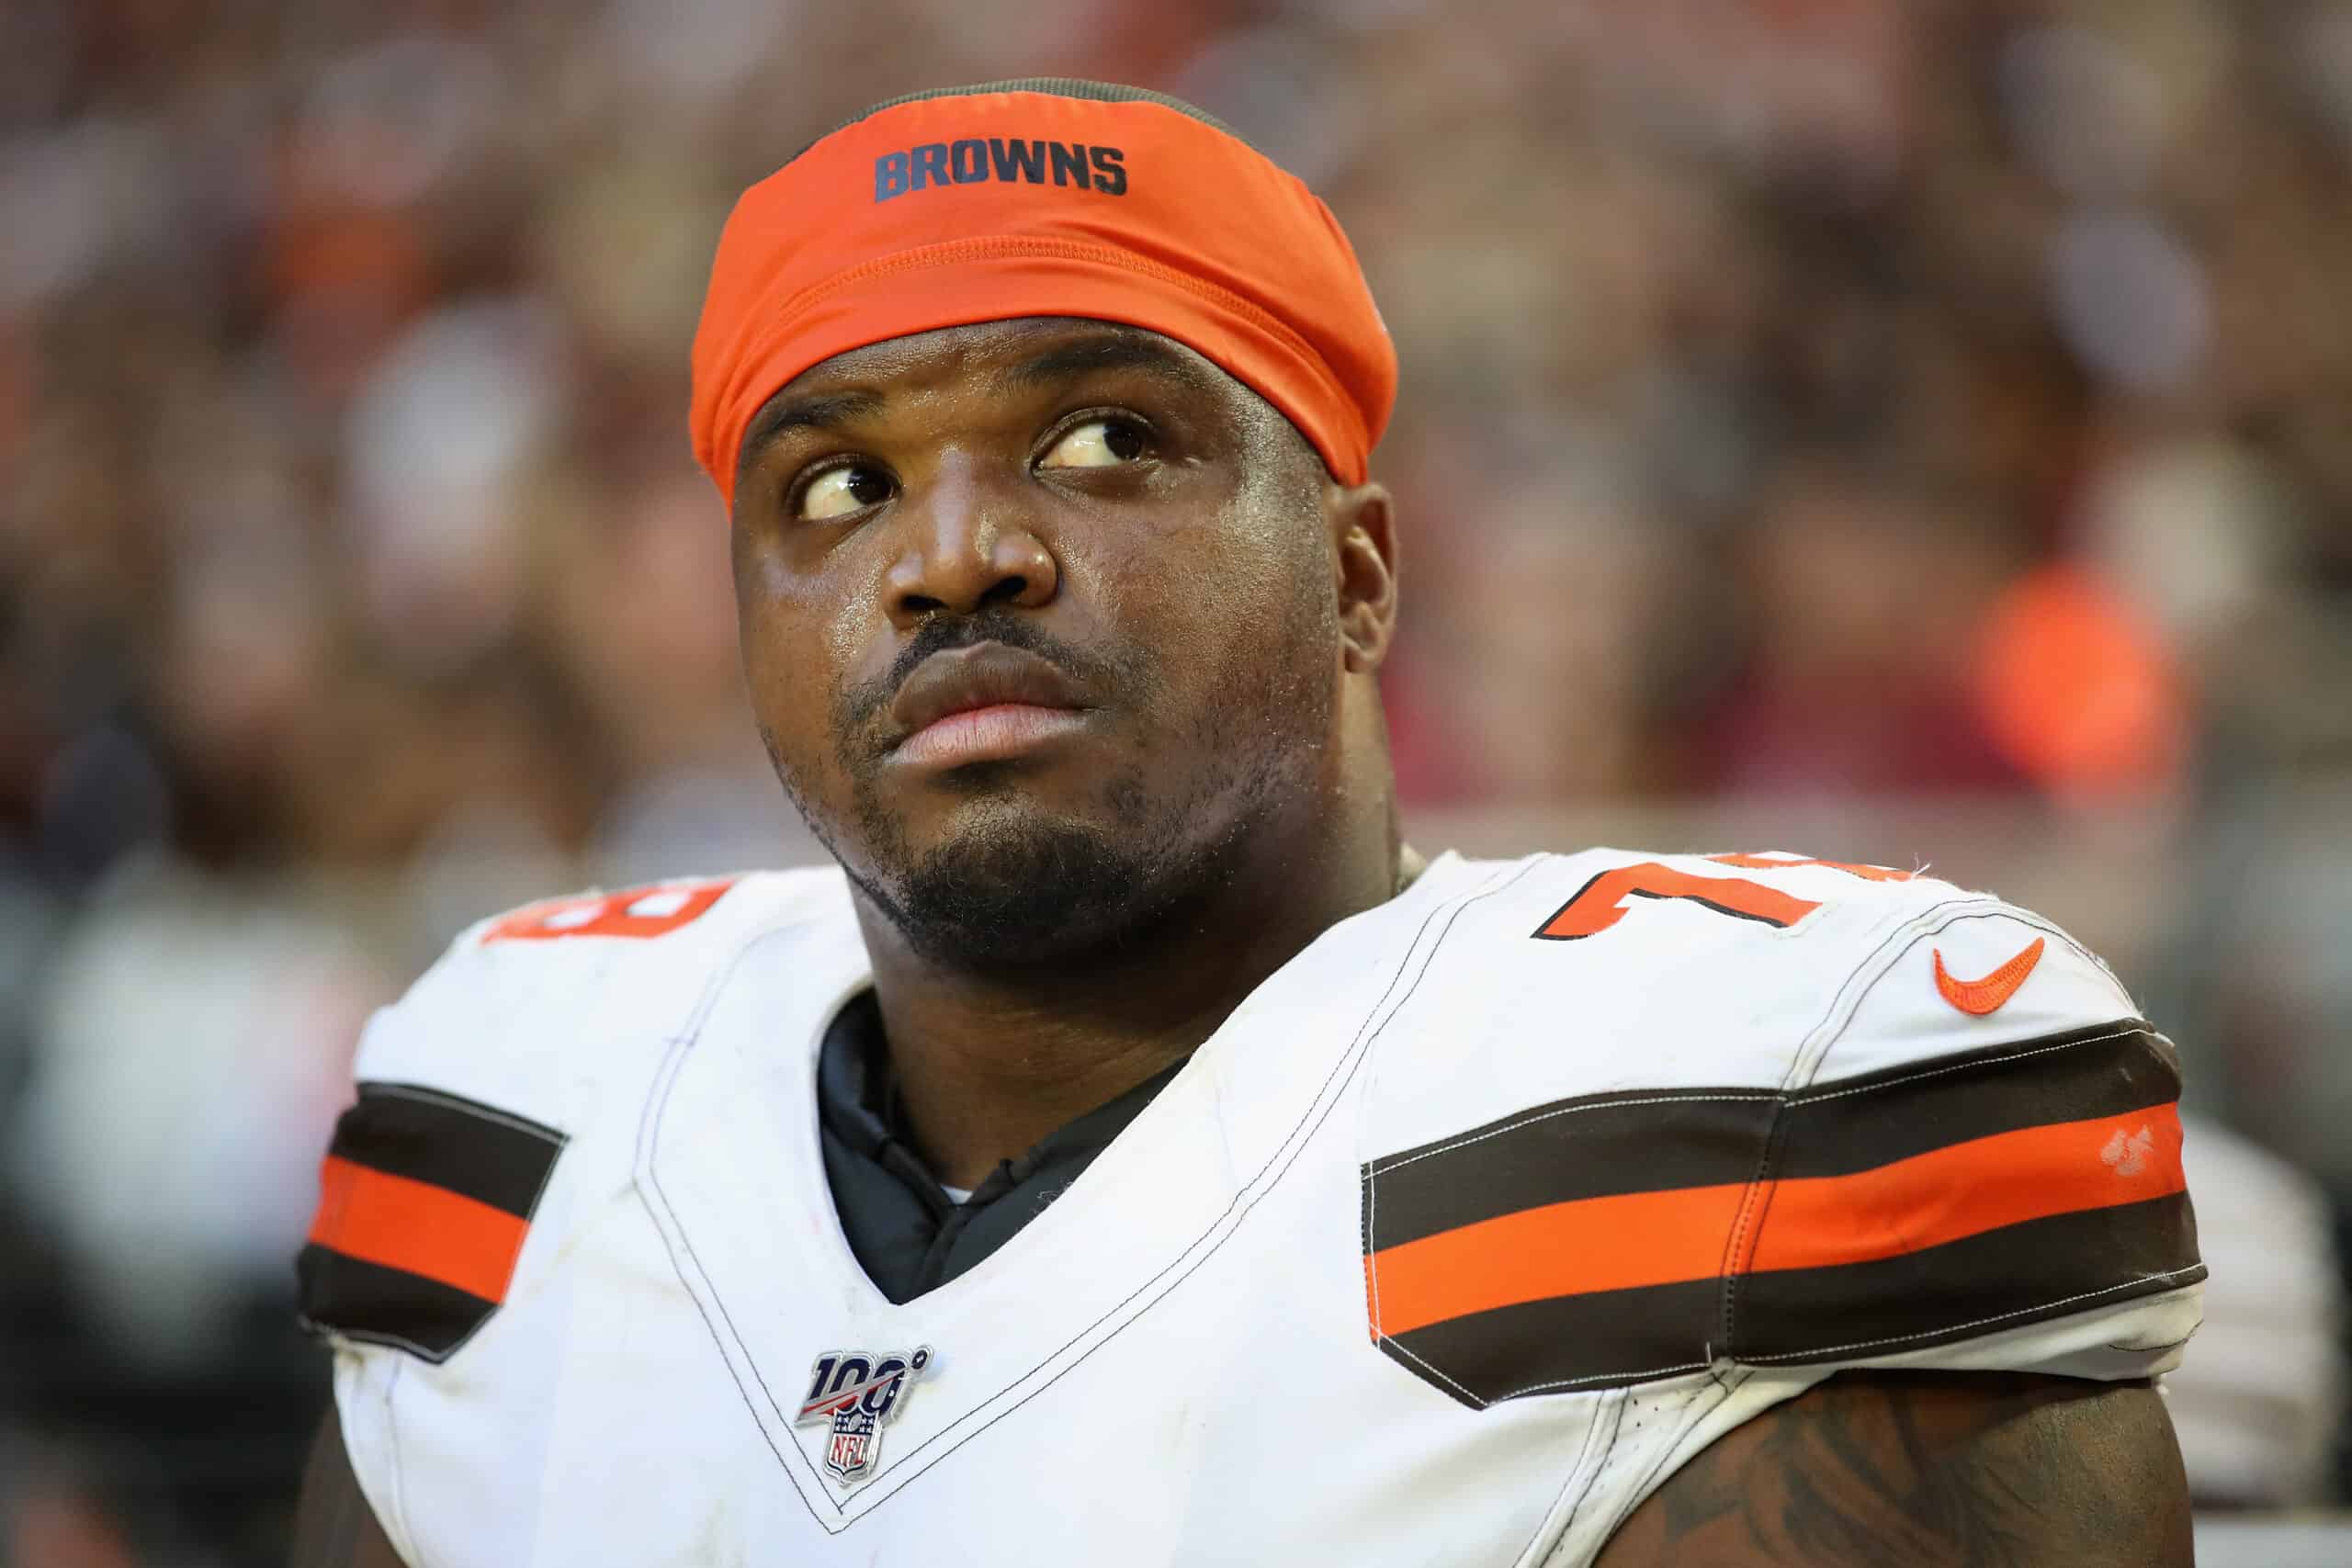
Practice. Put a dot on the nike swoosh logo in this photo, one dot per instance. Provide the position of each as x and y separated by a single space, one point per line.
1980 996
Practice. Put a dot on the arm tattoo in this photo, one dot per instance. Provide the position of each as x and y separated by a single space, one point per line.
1926 1469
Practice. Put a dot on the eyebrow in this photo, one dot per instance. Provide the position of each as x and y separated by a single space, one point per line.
823 410
1110 351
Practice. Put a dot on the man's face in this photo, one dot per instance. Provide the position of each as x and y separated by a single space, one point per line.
1040 625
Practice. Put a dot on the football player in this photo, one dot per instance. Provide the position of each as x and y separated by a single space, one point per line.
1133 1153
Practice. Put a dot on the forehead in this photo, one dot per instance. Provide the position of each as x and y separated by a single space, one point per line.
1034 348
1028 357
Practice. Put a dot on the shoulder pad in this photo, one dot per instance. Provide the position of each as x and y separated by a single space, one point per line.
1615 970
534 1026
516 1011
1696 1114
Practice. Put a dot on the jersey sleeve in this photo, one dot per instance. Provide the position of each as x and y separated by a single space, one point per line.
469 1089
492 1130
1983 1170
436 1171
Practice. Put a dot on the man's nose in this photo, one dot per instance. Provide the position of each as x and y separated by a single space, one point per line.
966 545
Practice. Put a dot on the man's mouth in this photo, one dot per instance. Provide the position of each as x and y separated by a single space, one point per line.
983 703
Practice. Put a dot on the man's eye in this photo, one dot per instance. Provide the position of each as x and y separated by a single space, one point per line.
1097 444
837 492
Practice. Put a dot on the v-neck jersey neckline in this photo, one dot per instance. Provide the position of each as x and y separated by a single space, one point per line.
730 1164
907 1230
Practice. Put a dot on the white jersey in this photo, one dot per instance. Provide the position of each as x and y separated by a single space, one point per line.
1477 1219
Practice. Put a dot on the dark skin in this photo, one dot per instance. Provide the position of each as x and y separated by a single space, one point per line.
1113 503
334 1527
1984 1470
1142 517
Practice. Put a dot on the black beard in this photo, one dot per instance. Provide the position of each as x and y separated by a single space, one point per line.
1018 891
1027 895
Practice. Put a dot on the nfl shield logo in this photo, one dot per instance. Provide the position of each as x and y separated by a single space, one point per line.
855 1393
848 1452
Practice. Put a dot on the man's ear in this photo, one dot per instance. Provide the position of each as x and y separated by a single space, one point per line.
1363 527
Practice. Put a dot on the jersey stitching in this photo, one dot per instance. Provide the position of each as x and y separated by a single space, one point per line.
538 1192
657 1097
1284 1156
1880 961
556 1139
1736 1274
1391 1167
1537 1548
1897 940
1696 1409
1747 1227
380 1336
474 1106
1371 1267
1755 1204
1406 1351
1372 1180
1369 1225
1600 1463
728 1360
1388 1168
400 1476
1372 1274
1618 1447
2028 918
2197 1269
1309 1122
1601 1377
1824 1096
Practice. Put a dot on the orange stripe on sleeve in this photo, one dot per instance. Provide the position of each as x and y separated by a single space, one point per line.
1965 1189
413 1225
1655 1238
1593 1244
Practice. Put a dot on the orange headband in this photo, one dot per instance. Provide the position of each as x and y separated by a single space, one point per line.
1042 198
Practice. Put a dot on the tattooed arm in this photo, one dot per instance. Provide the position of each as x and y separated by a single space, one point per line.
334 1527
1928 1470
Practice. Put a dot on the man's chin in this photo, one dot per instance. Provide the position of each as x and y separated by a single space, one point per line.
1025 895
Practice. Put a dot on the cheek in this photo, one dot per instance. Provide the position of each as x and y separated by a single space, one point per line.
792 651
1261 607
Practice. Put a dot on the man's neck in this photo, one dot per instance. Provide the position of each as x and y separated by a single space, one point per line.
988 1065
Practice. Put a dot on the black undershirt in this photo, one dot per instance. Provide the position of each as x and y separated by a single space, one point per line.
907 1234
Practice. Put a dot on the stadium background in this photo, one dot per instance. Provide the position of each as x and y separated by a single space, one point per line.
1910 432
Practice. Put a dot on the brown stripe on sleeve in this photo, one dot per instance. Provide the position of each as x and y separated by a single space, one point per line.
424 1202
1982 1285
1619 1238
478 1151
1599 1146
386 1306
1849 1124
1601 1340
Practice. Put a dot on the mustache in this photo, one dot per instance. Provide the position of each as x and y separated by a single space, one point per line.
862 705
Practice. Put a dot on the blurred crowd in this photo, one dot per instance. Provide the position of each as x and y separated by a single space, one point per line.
1814 401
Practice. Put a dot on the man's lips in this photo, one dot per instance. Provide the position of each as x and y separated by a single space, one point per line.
980 702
